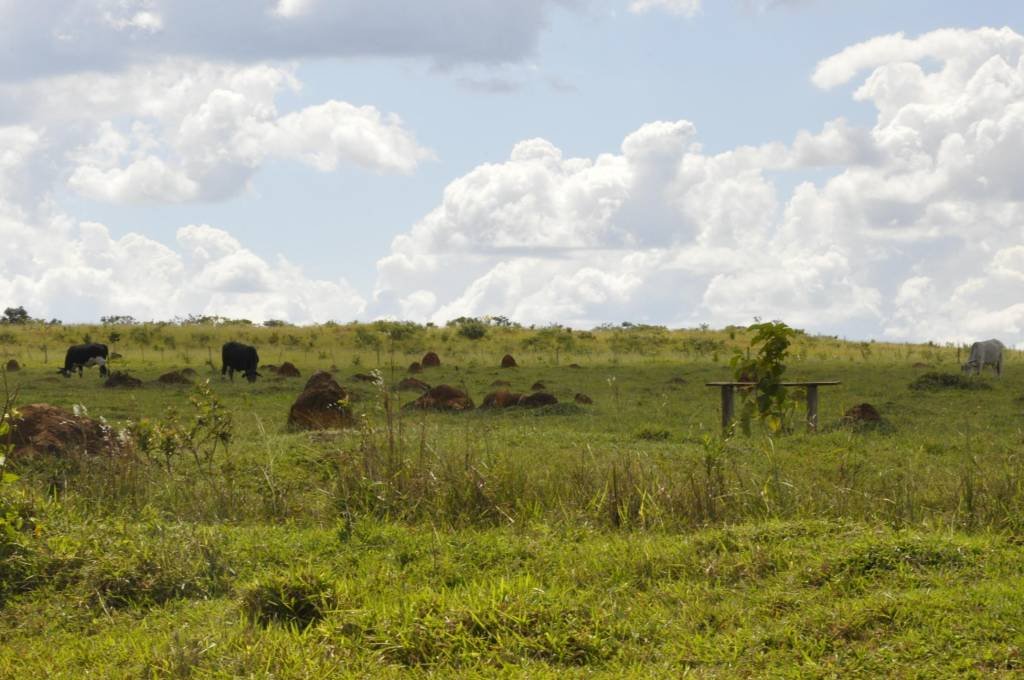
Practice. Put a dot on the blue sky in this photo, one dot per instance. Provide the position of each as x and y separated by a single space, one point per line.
638 240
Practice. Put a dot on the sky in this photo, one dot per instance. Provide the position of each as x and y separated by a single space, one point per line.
847 166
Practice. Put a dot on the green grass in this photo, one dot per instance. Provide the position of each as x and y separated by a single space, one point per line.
623 538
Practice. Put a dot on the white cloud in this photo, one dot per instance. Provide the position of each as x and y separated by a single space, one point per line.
685 8
74 36
181 131
918 233
79 273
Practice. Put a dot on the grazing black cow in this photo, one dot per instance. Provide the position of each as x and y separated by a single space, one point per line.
80 356
238 357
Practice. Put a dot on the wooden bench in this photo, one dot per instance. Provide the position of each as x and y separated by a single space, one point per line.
729 388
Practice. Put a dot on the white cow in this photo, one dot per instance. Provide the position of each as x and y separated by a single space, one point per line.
985 353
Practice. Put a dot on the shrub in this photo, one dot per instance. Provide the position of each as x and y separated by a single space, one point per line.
300 598
941 381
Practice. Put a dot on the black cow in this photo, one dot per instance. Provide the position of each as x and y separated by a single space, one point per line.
80 356
238 357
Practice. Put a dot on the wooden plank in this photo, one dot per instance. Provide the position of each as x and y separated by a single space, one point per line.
812 408
727 407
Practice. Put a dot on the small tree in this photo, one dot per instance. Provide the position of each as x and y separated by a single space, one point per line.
769 399
15 315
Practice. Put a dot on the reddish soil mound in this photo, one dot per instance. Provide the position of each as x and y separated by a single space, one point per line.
862 413
120 379
581 398
501 399
501 383
444 398
364 377
175 378
321 406
319 380
575 366
538 386
537 399
42 429
13 366
413 385
508 361
430 360
288 370
415 367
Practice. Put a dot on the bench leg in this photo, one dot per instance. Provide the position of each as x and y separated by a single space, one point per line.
812 408
727 407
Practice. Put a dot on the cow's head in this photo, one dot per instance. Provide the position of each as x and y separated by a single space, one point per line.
252 374
66 372
104 371
969 367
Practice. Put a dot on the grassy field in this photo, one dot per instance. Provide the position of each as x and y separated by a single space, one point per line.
623 538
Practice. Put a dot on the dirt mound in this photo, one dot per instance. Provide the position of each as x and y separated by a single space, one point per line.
538 386
444 398
175 378
288 370
508 361
941 381
319 380
12 366
413 385
501 383
537 399
862 413
121 379
430 360
321 406
364 377
189 373
501 399
42 429
581 398
575 366
415 367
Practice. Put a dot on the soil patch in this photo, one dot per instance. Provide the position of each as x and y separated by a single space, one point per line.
43 429
862 413
538 399
412 385
319 380
430 360
415 367
501 399
288 370
174 378
538 386
501 383
444 398
123 380
321 406
364 377
581 398
508 361
12 366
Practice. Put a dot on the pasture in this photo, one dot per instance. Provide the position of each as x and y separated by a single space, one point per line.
626 537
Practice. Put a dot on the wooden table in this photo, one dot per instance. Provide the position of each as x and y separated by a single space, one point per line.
728 392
